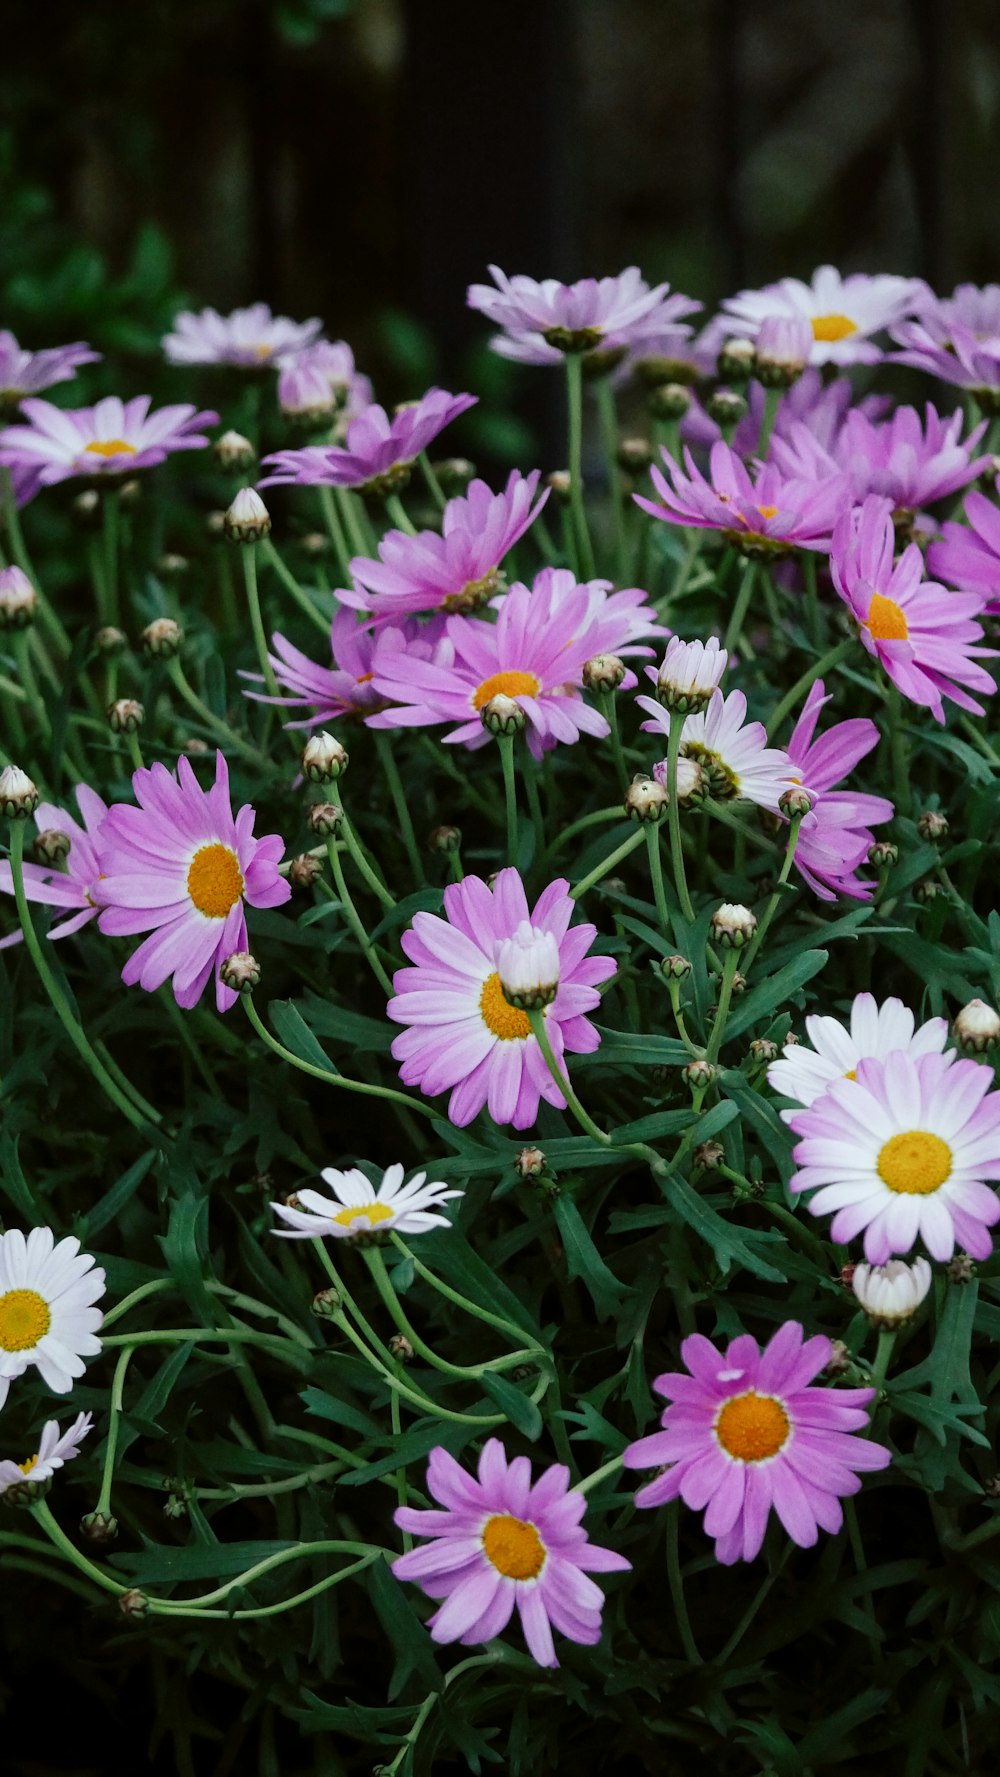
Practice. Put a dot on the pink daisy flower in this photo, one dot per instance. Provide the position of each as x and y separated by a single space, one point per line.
901 1153
345 689
732 752
462 1035
534 656
925 637
114 438
497 1542
542 321
911 462
957 338
456 571
842 312
874 1033
180 867
745 1432
28 373
834 837
968 555
250 338
621 623
71 888
379 452
768 515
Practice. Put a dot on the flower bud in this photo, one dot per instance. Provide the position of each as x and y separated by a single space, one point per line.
707 1156
133 1603
669 401
932 825
162 638
401 1349
324 818
883 854
502 716
796 801
247 519
315 543
725 407
197 747
85 509
240 971
693 782
306 396
18 795
171 565
304 870
51 847
130 492
736 360
234 453
733 925
976 1028
530 1163
446 840
690 672
99 1527
962 1268
762 1051
109 641
454 474
927 890
603 672
891 1294
125 716
528 966
175 1507
634 455
323 758
657 368
675 967
840 1359
327 1304
215 525
560 483
784 345
645 799
18 599
699 1074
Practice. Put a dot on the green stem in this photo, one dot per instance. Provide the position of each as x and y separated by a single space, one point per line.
329 1077
117 1391
609 710
883 1357
22 654
651 830
729 966
287 1350
47 616
335 532
356 850
772 906
739 611
675 1581
613 1467
621 852
772 401
221 730
505 743
574 401
814 624
609 435
747 1618
541 1036
383 1283
56 1535
169 1608
299 1552
350 520
291 585
111 511
402 1490
355 921
900 751
399 515
597 818
383 747
248 556
818 670
458 1301
677 720
434 486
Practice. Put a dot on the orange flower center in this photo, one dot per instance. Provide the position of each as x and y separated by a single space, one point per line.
752 1427
914 1163
24 1319
833 327
768 511
509 684
214 881
110 447
886 620
26 1467
504 1021
364 678
514 1547
369 1212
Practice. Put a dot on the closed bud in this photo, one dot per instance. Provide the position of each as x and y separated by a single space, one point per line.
784 345
603 672
162 638
233 452
883 854
707 1156
130 492
762 1051
18 599
51 847
125 716
530 1163
247 519
240 971
304 870
109 641
18 795
560 483
171 565
699 1074
401 1349
133 1603
927 890
726 407
962 1268
657 368
891 1294
324 817
197 747
454 474
976 1028
323 758
932 825
645 800
446 840
501 715
85 509
733 925
796 801
327 1304
675 967
314 543
690 673
99 1527
669 401
634 455
175 1507
736 360
839 1360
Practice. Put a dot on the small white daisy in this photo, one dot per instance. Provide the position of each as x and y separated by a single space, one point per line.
357 1209
874 1032
47 1314
732 752
842 312
53 1450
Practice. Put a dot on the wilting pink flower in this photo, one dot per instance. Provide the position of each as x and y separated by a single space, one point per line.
28 373
925 637
744 1431
842 312
345 689
462 1035
541 321
770 514
498 1542
910 462
71 888
113 438
956 338
834 837
456 571
180 867
250 338
379 452
968 556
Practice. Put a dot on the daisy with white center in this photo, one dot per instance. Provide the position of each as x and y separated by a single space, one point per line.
842 312
47 1314
873 1033
528 967
891 1294
356 1210
902 1153
691 671
732 752
53 1451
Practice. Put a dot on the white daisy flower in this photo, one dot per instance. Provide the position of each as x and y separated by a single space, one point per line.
732 752
47 1314
356 1209
842 312
53 1450
891 1294
875 1031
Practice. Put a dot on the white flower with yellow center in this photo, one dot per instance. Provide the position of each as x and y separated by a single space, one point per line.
874 1032
732 752
842 312
47 1314
54 1449
902 1152
356 1210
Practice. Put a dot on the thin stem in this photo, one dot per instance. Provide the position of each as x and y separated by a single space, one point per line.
818 670
598 817
215 725
383 747
56 1535
609 710
574 401
356 850
402 1490
772 401
675 1581
248 557
329 1077
459 1301
299 1552
355 921
883 1357
772 906
613 1467
22 654
609 435
350 520
729 966
399 515
169 1608
900 751
291 585
383 1283
813 620
335 532
748 1615
434 486
621 852
117 1391
651 830
739 611
111 510
541 1036
505 743
677 720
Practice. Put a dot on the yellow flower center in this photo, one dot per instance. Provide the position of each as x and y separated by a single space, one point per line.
263 351
886 620
214 881
504 1021
24 1319
768 511
369 1212
752 1427
914 1163
832 327
508 684
851 1074
26 1467
515 1548
110 447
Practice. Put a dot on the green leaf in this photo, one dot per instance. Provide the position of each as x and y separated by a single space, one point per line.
758 1002
294 1032
730 1245
403 1629
517 1407
584 1261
